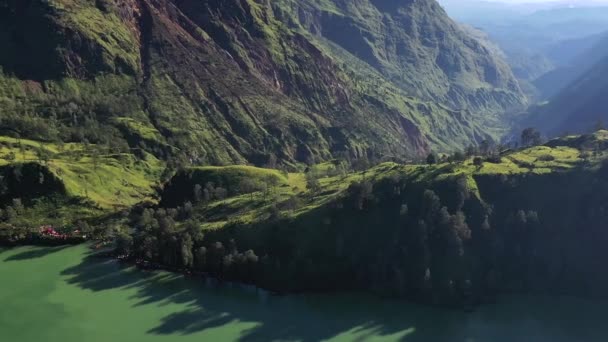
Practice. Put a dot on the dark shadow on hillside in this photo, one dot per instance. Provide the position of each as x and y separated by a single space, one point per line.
35 253
303 318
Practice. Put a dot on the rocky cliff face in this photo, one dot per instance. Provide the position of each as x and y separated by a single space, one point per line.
418 47
249 80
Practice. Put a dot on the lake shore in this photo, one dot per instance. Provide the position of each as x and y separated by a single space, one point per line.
62 295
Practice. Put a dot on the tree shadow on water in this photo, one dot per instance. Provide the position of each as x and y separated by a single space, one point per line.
98 274
303 318
34 253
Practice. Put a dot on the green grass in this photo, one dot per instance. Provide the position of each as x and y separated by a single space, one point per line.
543 157
256 207
105 29
108 180
118 181
113 182
141 128
236 173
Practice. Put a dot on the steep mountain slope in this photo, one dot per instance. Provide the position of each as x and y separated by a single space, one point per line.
577 108
566 51
241 81
590 51
417 46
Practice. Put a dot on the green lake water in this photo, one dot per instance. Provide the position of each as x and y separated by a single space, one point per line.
60 295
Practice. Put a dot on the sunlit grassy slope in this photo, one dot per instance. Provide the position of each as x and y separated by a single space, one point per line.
113 181
109 180
564 156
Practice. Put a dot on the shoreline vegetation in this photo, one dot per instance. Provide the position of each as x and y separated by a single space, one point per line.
456 231
42 241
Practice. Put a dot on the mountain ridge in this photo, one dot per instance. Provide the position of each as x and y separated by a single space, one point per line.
579 107
234 82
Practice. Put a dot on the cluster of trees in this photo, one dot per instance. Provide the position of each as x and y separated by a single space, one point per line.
208 193
21 221
68 120
334 168
531 137
11 212
157 237
266 185
442 244
195 187
432 242
427 252
431 238
9 215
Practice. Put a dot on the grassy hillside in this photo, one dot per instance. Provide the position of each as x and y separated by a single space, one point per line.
450 233
564 155
65 185
119 181
244 81
109 180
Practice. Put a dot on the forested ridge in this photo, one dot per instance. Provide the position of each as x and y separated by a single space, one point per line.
453 234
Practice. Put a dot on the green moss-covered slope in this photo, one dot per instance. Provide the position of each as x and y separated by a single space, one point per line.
244 81
417 47
64 185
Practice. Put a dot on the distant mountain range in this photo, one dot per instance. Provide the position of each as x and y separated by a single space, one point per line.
572 63
558 51
535 36
580 106
467 8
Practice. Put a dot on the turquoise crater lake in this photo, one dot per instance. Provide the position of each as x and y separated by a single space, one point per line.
60 295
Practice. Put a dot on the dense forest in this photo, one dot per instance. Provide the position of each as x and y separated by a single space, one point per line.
435 234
